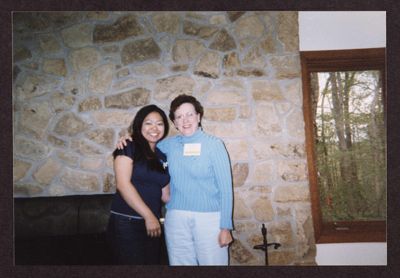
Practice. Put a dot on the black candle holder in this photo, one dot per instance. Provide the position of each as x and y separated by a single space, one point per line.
265 244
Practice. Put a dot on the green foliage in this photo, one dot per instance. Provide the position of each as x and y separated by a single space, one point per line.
368 193
352 179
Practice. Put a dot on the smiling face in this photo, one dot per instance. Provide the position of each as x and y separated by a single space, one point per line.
153 128
186 119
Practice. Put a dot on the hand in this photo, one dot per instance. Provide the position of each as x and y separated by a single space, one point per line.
224 237
153 227
122 141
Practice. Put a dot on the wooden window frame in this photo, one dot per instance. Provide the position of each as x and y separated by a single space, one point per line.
328 61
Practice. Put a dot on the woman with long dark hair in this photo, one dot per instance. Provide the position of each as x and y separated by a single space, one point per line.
142 182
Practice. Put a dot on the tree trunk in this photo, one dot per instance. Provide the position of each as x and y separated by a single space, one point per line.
377 139
340 99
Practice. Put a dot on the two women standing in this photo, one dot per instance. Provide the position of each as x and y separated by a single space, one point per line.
198 221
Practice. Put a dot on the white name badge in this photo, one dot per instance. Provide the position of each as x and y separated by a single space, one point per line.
192 149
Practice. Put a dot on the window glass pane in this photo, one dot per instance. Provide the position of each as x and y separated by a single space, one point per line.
350 142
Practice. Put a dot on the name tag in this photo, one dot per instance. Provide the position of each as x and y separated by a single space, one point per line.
192 149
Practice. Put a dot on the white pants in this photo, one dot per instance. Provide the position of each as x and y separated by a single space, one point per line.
192 238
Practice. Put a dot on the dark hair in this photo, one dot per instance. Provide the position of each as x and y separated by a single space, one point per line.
181 99
143 152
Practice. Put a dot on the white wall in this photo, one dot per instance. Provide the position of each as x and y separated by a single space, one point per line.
342 30
345 30
352 254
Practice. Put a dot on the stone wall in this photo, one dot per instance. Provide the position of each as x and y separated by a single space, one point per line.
80 77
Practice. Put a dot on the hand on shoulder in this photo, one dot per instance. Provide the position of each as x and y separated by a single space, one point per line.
122 141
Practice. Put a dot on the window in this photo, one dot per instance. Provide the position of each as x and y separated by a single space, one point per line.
345 121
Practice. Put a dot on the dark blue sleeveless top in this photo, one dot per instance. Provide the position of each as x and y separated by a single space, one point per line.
147 182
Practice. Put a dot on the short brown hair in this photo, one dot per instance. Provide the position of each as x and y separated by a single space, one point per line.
181 99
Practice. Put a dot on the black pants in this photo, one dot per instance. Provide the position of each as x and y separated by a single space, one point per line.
130 243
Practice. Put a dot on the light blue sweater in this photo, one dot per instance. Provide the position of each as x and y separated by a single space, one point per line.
201 183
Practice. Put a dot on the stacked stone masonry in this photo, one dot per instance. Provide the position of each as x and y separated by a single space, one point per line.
80 77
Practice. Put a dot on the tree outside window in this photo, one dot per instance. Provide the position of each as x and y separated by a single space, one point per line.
346 143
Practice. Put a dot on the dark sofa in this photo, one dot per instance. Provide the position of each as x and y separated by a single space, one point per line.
68 230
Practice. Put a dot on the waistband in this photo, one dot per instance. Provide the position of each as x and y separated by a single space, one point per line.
126 215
